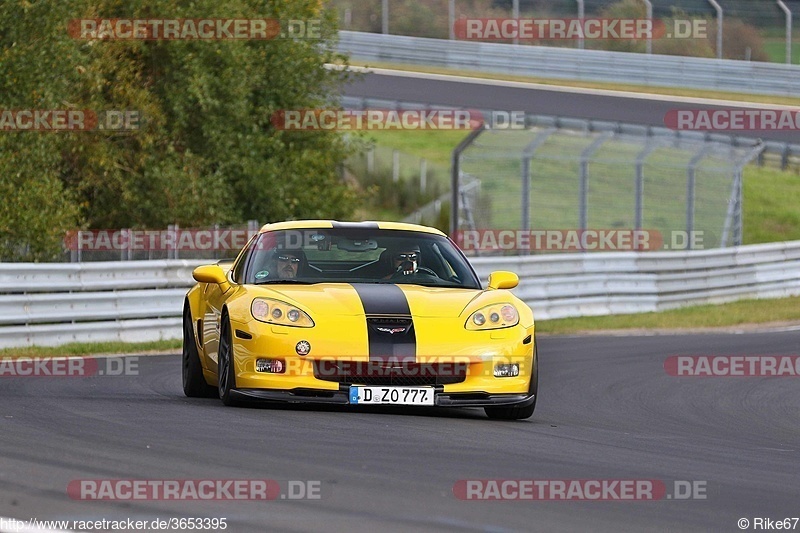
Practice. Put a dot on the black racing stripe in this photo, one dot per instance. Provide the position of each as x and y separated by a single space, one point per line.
386 309
355 225
382 299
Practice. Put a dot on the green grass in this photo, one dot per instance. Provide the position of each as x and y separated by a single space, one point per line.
80 348
771 200
434 145
702 316
776 50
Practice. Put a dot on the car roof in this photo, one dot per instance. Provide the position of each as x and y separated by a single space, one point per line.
325 224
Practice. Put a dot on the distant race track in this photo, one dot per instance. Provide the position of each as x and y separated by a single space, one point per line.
535 99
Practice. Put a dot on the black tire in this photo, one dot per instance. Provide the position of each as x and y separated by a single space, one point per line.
226 375
194 384
519 411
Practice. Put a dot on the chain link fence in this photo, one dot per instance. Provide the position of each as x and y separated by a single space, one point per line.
684 192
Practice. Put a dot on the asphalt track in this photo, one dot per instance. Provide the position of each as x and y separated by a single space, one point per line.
534 99
607 410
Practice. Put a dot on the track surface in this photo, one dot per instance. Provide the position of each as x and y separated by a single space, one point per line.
607 410
485 95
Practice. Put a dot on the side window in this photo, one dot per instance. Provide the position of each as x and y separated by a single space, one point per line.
237 272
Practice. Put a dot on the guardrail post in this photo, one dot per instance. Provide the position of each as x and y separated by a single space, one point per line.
385 16
581 16
75 253
785 157
455 170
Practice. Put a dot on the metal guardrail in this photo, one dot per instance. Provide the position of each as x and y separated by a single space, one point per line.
87 302
558 286
57 303
585 65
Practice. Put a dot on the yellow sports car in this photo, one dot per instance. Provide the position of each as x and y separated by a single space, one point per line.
358 313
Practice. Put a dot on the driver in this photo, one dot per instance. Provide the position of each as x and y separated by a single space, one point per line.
404 261
407 260
287 263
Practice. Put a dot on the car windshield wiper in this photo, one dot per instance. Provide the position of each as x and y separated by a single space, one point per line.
284 282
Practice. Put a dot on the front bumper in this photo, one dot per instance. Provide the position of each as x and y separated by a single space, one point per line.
341 397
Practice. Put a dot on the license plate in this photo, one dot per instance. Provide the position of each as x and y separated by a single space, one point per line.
391 395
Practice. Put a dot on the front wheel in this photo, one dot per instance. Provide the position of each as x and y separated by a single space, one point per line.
226 373
194 384
521 410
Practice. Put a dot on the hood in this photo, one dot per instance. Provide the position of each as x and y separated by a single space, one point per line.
373 299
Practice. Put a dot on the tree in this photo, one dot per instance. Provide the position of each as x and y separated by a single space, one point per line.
206 151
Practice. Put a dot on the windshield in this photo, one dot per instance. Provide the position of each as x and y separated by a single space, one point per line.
350 255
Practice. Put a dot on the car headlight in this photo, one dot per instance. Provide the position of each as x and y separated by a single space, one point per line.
494 316
280 313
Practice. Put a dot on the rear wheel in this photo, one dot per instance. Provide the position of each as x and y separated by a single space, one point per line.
194 384
521 410
226 374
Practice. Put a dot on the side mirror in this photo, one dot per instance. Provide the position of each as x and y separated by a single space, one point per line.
210 274
503 279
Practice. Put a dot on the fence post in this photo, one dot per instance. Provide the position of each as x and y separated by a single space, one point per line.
640 158
527 155
788 14
395 166
649 5
581 16
690 186
515 16
718 8
583 217
451 18
455 170
423 176
385 16
122 254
